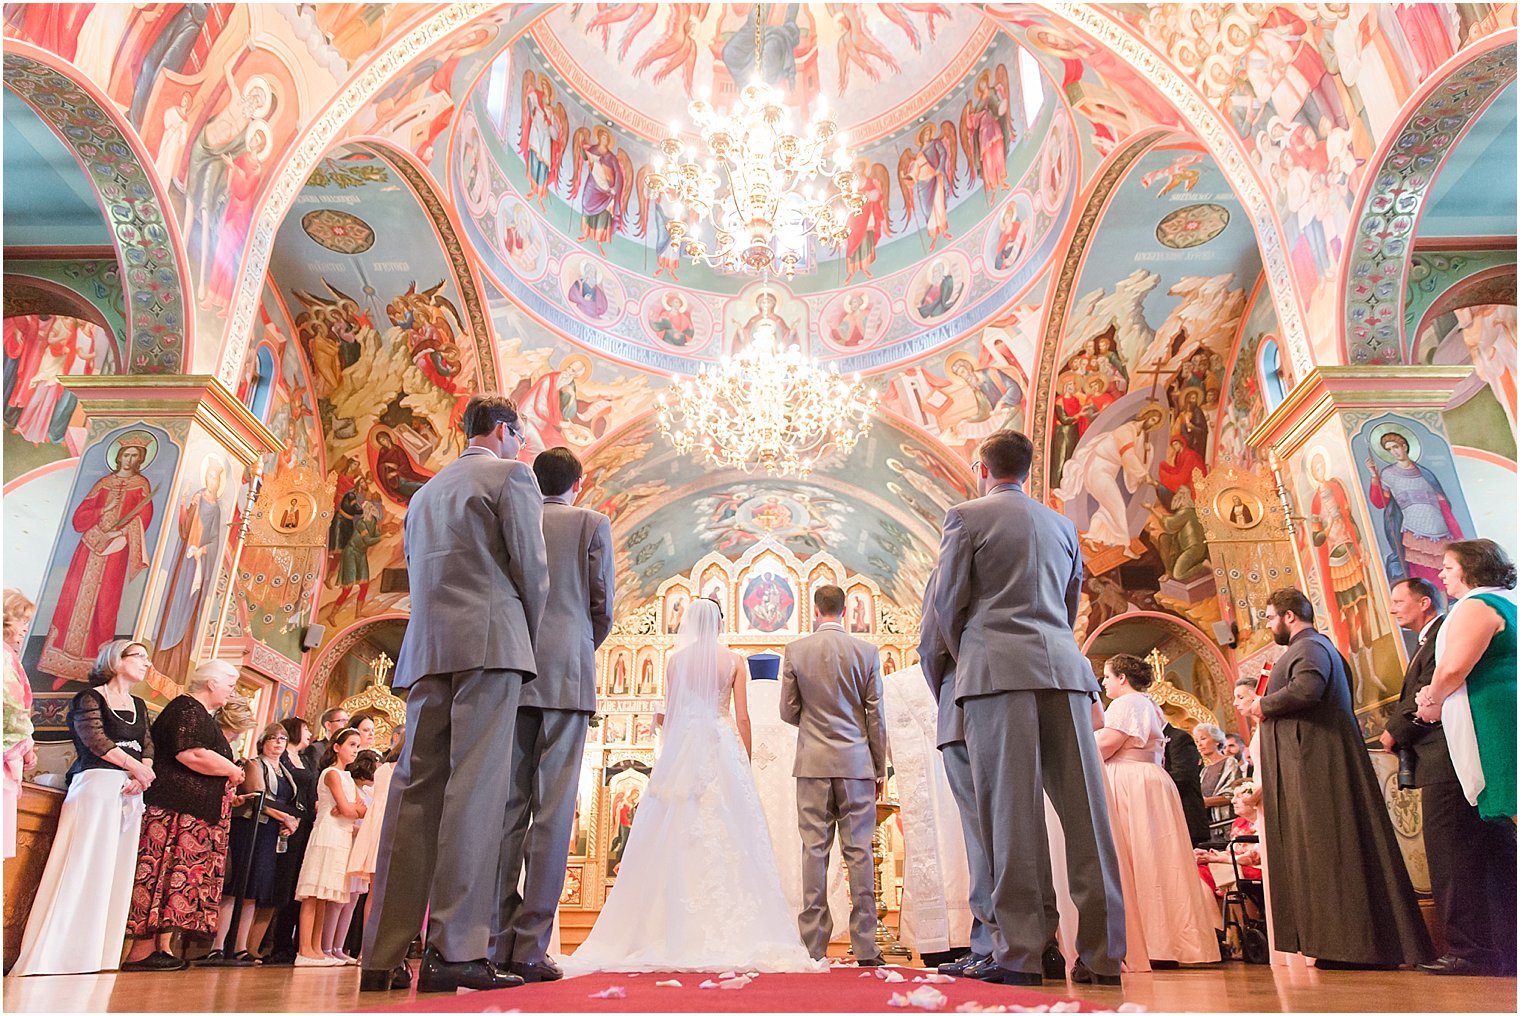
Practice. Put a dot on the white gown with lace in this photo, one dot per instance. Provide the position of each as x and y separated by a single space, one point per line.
698 888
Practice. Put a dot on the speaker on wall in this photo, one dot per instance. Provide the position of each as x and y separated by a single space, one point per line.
1224 632
312 637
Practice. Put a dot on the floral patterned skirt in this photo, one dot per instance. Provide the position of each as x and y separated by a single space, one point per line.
181 860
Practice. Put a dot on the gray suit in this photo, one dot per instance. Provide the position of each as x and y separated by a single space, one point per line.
478 577
551 729
831 691
1003 601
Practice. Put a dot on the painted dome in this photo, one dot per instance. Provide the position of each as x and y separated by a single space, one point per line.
970 179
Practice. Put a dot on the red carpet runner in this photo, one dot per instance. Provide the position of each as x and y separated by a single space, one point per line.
842 989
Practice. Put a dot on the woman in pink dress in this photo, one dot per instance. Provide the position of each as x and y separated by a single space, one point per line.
1169 913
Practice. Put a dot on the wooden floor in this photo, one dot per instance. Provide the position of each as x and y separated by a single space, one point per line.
1230 987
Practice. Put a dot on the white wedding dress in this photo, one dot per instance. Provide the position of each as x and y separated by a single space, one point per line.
698 888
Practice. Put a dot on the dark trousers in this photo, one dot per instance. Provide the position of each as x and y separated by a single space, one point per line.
1472 876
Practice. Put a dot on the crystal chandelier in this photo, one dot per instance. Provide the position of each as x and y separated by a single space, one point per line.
753 197
767 407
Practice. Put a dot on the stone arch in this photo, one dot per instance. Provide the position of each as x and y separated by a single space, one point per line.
25 294
333 653
1496 285
1220 670
146 237
1394 191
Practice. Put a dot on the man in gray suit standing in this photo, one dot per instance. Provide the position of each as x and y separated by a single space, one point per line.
831 691
1004 600
552 718
479 580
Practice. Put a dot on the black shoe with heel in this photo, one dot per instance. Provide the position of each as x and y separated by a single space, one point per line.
438 974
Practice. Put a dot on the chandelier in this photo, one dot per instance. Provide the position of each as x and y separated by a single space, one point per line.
753 195
767 407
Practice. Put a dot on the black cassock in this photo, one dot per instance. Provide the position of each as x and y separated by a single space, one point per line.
1339 888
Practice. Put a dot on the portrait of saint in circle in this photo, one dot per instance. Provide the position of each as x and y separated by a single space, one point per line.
293 512
1238 507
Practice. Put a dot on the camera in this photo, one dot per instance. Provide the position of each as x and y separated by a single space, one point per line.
1406 768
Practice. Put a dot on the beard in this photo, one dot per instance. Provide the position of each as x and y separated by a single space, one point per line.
1281 635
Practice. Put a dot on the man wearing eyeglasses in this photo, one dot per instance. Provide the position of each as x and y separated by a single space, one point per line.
478 576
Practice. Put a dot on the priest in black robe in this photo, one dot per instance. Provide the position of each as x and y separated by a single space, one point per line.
1339 888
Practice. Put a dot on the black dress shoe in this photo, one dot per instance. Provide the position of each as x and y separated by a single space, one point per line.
1080 974
1019 978
534 973
1351 965
1052 963
981 970
394 979
957 968
874 961
1165 965
438 974
1456 966
157 961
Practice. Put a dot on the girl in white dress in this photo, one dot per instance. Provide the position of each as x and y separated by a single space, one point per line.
323 881
698 887
1169 912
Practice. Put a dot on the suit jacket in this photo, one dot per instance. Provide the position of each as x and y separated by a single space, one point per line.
1432 757
1184 764
578 615
1005 596
477 568
831 691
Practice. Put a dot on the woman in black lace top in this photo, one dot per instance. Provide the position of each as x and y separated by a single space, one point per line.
79 917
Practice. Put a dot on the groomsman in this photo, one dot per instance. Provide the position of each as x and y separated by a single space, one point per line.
552 718
476 567
1472 862
1004 600
831 691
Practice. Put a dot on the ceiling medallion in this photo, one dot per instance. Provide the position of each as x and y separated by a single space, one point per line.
751 198
767 407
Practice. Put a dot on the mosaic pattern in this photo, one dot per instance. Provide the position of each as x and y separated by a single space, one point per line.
151 277
1391 216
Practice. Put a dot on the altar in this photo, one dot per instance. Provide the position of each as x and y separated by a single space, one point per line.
766 597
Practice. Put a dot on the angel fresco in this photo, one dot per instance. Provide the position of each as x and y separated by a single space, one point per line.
858 46
541 141
659 210
926 175
872 222
987 130
332 331
676 50
424 319
603 180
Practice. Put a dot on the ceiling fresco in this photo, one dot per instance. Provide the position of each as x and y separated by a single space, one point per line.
934 212
878 510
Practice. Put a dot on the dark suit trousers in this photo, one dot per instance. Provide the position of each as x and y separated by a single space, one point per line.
1472 876
546 769
1020 742
440 844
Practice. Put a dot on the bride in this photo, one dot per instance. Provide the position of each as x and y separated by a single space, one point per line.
698 888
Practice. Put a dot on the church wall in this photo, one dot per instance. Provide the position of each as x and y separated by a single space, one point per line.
95 280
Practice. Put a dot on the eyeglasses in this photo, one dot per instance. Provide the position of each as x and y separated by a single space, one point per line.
136 654
516 432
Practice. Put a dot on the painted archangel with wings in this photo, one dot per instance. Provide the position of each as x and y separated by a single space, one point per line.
603 181
541 140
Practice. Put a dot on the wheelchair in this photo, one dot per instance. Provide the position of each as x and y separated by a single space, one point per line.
1246 895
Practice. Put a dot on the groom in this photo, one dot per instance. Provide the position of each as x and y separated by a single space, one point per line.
831 691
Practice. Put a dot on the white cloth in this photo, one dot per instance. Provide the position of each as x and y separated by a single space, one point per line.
79 917
1456 713
936 909
774 750
365 853
698 887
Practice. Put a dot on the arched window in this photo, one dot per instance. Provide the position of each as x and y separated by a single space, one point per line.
262 383
1274 386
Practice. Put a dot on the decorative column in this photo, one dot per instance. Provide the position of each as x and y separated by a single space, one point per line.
146 531
1370 484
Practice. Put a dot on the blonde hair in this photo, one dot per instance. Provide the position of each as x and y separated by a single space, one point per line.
203 675
19 612
236 716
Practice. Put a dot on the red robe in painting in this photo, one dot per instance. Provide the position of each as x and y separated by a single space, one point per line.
90 600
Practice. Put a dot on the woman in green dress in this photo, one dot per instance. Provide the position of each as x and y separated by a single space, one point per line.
1473 692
